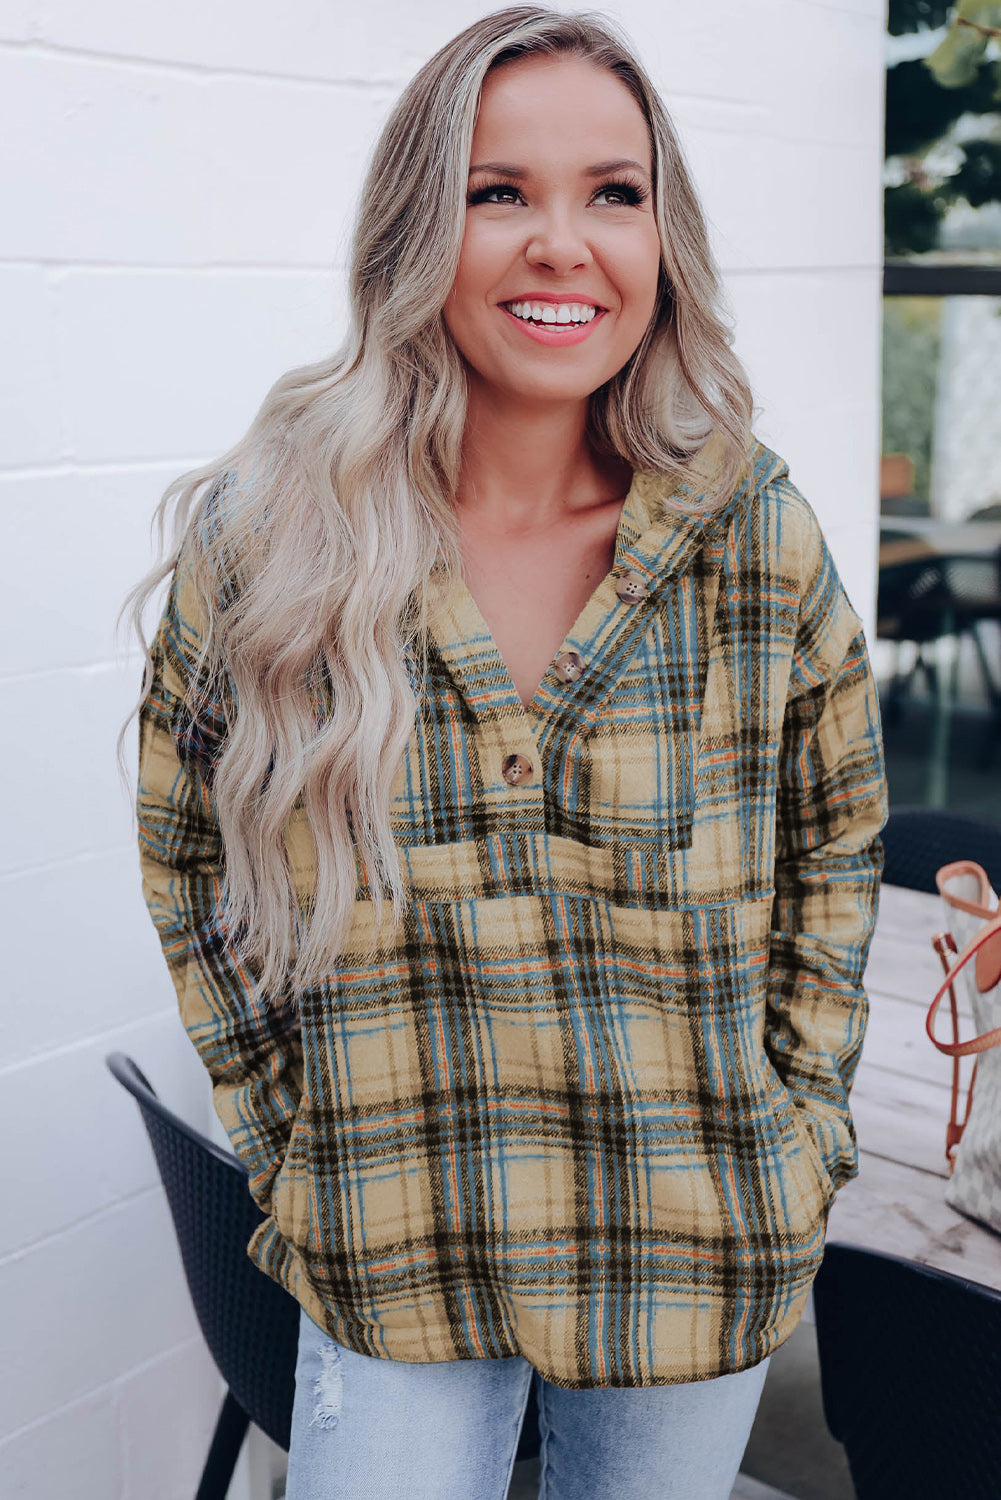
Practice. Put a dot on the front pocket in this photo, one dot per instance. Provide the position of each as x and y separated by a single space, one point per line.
719 1156
701 971
822 1172
794 1138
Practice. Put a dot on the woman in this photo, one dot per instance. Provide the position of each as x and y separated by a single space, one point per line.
503 613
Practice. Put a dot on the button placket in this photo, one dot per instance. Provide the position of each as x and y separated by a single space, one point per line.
516 768
569 666
632 587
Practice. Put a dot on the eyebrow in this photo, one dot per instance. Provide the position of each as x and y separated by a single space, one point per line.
600 169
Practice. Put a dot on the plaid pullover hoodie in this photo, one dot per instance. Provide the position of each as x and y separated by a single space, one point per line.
589 1104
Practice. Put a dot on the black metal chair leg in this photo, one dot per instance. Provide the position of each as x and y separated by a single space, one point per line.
230 1431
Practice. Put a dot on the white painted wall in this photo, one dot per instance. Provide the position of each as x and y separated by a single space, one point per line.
176 185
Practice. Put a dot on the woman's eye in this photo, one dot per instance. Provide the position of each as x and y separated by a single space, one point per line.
626 192
485 194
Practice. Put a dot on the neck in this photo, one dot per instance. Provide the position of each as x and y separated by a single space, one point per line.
526 464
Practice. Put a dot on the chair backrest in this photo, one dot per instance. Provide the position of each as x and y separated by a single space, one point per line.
910 1365
927 597
913 598
250 1323
917 840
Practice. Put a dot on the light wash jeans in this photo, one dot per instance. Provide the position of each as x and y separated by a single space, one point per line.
380 1429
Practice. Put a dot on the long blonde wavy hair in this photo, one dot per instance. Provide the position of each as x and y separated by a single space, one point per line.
329 528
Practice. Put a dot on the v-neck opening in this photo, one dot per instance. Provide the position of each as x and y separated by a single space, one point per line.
467 644
628 521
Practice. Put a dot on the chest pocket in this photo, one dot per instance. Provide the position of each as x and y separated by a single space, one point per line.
635 771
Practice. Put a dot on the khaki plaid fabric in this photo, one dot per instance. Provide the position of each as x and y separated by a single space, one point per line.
590 1103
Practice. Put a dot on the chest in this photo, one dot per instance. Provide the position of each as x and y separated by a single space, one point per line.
652 770
530 589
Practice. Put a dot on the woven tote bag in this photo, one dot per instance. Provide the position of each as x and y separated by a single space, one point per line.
971 955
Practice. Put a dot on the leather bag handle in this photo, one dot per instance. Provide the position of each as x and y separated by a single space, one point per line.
945 944
990 932
987 969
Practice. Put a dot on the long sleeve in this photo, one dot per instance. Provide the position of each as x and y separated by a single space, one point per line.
255 1061
831 808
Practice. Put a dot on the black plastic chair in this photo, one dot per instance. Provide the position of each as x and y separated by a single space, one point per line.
249 1322
926 598
917 840
910 1364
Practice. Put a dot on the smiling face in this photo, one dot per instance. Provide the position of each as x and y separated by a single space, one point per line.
557 277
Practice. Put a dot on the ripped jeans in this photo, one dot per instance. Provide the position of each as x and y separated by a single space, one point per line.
378 1429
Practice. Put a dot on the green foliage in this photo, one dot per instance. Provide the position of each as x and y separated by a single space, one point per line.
911 219
916 15
979 178
919 109
957 58
924 99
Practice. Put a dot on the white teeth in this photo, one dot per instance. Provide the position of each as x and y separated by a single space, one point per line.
547 312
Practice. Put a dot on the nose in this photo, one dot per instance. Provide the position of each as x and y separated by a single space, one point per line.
556 241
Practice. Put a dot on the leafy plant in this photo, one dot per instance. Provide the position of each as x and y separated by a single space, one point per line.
925 99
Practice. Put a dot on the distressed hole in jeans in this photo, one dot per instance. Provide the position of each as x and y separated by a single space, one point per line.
328 1388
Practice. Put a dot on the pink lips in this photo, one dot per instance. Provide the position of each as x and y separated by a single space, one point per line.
555 333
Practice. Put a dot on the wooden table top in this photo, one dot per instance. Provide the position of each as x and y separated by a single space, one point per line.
905 539
900 1105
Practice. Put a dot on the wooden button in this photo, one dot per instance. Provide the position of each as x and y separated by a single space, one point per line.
569 666
632 586
516 768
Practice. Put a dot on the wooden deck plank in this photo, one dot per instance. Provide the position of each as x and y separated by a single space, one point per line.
901 1118
902 1211
902 962
900 1105
904 970
895 1038
911 914
747 1488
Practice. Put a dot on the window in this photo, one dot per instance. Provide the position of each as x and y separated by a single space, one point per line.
938 648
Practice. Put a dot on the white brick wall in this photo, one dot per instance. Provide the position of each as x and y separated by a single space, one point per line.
176 190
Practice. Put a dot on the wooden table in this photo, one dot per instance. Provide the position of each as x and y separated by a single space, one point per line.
900 1105
904 539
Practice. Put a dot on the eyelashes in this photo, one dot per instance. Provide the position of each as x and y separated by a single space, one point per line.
633 193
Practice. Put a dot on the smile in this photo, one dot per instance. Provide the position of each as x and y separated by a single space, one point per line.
550 323
552 312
